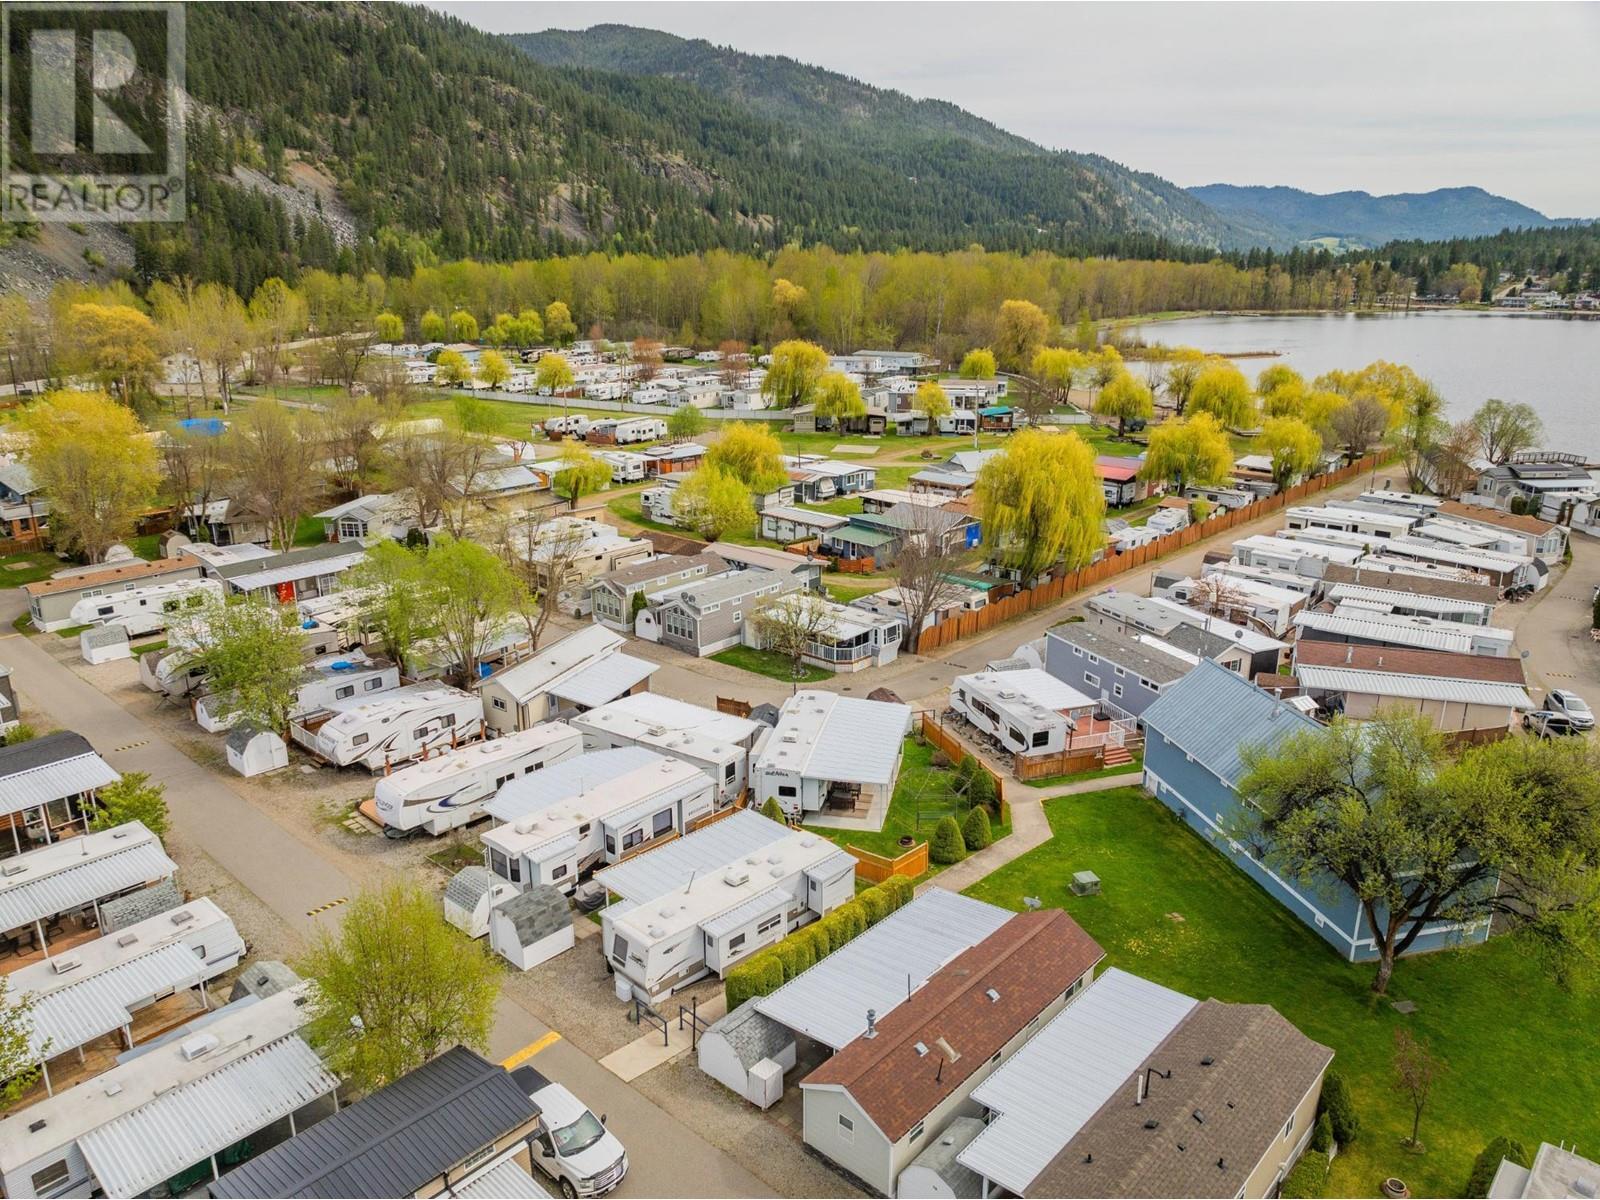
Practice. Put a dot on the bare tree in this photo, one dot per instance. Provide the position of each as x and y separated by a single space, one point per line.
646 355
1416 1070
194 464
790 625
1360 425
1221 596
274 467
386 382
543 545
353 431
440 470
923 568
735 363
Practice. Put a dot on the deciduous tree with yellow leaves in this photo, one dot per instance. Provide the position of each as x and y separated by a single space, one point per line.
794 373
1193 451
1224 392
1041 503
750 453
1293 446
837 398
930 400
1125 399
1019 334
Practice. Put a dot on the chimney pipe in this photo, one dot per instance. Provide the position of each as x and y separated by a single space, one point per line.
872 1024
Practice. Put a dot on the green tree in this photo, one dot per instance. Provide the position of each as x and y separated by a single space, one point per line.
474 597
947 846
751 453
432 326
1340 1110
395 985
554 374
493 369
771 811
132 798
252 652
453 368
559 326
1193 451
685 421
794 373
1279 378
1487 1164
1184 365
930 400
1020 331
463 326
389 327
1041 503
19 1059
790 625
392 601
978 364
975 831
714 503
93 461
1224 392
1293 446
838 398
1506 429
274 459
1125 399
117 344
1055 368
1508 832
1322 1134
581 474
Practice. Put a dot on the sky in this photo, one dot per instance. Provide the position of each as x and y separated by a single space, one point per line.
1322 96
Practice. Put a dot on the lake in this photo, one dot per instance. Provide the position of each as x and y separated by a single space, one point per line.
1550 363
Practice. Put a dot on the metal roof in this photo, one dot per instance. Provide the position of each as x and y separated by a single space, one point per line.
1211 714
562 781
1400 632
1413 687
28 782
825 736
831 866
64 881
603 681
554 662
774 899
249 581
1406 598
503 1181
656 872
71 1016
829 1002
1048 1089
181 1127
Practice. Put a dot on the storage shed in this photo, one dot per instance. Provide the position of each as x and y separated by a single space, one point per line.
469 896
103 643
748 1052
256 751
531 928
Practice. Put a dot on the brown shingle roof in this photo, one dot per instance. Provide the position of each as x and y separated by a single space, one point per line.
1214 1122
1494 516
1439 663
124 573
1416 585
1029 961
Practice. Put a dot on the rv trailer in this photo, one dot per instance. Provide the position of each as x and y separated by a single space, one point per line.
450 789
145 609
396 727
327 680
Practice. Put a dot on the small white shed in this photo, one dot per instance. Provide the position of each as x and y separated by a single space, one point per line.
256 751
103 644
935 1174
748 1052
531 928
469 896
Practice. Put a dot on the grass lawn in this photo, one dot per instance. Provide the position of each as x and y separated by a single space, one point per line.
1133 768
71 631
765 662
1176 912
923 795
842 506
310 532
28 567
629 509
843 593
147 547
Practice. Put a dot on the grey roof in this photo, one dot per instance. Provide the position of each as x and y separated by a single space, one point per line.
941 1158
559 783
240 737
139 906
658 871
1051 1087
751 1034
1211 714
183 1126
661 565
302 556
50 768
394 1141
774 899
503 1181
1403 631
263 978
99 636
719 589
603 681
1123 651
467 886
766 713
829 1002
1196 641
70 1016
537 913
840 738
29 900
17 477
1413 687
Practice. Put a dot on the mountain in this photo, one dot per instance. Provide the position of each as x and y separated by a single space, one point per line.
1360 220
925 141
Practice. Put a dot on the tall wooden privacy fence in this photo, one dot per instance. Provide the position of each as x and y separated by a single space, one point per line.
1000 611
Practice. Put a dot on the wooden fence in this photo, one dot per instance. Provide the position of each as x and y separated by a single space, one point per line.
875 868
955 750
1067 762
1042 595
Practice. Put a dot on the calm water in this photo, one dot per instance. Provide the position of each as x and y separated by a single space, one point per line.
1552 364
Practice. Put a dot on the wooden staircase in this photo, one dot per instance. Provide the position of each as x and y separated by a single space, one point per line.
1116 756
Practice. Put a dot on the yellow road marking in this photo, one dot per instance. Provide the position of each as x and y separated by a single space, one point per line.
322 908
532 1048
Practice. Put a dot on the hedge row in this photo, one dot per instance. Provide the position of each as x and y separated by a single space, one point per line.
1307 1179
768 970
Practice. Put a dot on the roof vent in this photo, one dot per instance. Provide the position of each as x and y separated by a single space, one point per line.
736 876
1152 1123
922 1049
872 1023
1207 1061
113 1088
182 917
198 1047
1199 1117
35 1126
947 1050
13 868
127 939
63 963
994 996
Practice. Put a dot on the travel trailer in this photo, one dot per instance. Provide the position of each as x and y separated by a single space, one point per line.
397 727
327 680
589 811
449 790
144 610
639 429
1373 523
1028 711
172 671
626 467
558 427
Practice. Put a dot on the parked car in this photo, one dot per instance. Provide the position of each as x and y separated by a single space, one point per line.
575 1149
1546 723
1572 706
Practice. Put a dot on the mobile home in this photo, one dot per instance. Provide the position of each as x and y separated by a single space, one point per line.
399 726
143 610
718 743
327 680
450 789
590 810
1371 522
575 424
1236 597
1028 711
1285 554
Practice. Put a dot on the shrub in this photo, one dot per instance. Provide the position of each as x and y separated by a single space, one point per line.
982 791
965 772
975 831
939 759
1488 1162
1322 1135
899 889
947 846
796 954
818 937
1341 1111
876 903
1307 1179
854 916
740 983
773 810
21 732
837 930
132 798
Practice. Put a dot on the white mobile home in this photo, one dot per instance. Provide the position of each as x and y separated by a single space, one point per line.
328 680
583 670
659 945
633 430
596 808
718 743
144 610
1332 537
1285 554
1235 597
1288 581
833 752
1407 503
396 727
575 424
1371 522
449 790
1350 623
1028 711
1411 603
1502 570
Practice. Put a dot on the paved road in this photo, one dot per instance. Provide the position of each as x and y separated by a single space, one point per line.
292 877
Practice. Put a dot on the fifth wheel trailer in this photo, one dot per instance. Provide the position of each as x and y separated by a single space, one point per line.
395 727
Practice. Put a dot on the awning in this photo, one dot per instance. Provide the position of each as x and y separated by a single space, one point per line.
54 781
72 1016
503 1181
607 679
24 903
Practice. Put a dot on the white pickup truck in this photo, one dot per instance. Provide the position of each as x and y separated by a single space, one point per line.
572 1146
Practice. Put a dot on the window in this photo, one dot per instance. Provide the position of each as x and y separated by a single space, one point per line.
505 866
916 1131
847 1129
373 684
500 704
1041 738
360 739
1094 658
104 611
583 830
560 872
1148 685
52 1176
729 771
1116 690
1016 736
503 780
345 692
736 941
1118 672
661 822
1091 679
632 838
770 922
788 790
1288 1126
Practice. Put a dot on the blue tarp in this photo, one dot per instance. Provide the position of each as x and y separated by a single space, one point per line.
211 426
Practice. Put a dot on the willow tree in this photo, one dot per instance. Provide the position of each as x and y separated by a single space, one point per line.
1184 364
1054 369
751 453
1041 503
1293 446
1185 453
930 400
1125 399
838 398
978 364
1019 334
1224 392
794 372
